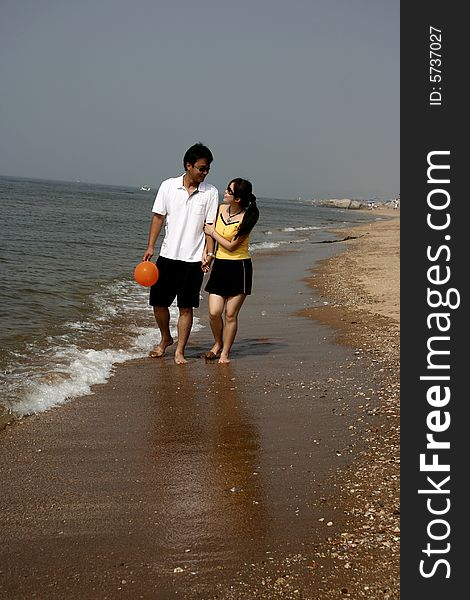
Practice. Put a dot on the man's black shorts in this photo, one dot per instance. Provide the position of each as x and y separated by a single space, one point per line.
177 279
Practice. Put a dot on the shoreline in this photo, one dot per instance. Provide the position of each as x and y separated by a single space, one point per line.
197 479
109 325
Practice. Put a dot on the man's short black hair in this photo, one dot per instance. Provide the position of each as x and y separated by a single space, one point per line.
196 152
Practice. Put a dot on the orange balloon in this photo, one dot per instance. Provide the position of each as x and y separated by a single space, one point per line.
146 273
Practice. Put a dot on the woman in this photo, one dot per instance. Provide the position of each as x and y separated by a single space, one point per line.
232 272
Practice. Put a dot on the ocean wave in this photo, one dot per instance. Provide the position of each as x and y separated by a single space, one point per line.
260 246
61 367
87 368
263 246
301 228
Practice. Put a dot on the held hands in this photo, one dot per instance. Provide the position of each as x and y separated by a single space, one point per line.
207 258
206 262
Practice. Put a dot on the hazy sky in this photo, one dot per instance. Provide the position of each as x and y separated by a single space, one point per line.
300 97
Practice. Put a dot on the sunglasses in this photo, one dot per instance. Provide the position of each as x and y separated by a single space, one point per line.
203 169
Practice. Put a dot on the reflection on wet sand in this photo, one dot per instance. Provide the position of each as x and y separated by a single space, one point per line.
209 491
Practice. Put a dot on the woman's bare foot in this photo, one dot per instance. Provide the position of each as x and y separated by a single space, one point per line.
224 359
159 350
179 358
213 352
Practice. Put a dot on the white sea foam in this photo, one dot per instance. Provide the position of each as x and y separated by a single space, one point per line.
88 368
311 228
259 246
263 246
65 369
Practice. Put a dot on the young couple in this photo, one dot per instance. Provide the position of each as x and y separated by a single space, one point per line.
195 225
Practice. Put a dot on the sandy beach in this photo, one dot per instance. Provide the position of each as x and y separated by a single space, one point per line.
276 476
362 287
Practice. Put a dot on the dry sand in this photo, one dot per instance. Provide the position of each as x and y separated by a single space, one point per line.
362 287
276 476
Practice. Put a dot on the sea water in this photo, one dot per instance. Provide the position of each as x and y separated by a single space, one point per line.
70 310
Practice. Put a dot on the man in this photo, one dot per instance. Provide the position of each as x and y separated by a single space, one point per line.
185 204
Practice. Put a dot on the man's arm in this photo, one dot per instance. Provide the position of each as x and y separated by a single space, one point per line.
155 228
208 253
209 245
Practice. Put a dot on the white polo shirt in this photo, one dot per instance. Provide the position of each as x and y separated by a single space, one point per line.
185 217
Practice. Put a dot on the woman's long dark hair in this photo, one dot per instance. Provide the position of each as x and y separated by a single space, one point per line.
243 190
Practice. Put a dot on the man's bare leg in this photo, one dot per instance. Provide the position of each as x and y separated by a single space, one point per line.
162 317
185 322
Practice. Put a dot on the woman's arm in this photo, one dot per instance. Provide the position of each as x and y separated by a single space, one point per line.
228 245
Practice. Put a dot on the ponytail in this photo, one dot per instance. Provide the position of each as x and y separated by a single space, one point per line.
250 218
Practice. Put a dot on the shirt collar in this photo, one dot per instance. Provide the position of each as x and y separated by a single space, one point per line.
202 187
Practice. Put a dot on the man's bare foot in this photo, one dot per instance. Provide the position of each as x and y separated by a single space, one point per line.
223 360
159 350
180 359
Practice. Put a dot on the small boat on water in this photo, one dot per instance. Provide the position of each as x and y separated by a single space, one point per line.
145 188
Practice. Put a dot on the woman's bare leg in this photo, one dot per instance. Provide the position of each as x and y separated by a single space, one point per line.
232 308
216 308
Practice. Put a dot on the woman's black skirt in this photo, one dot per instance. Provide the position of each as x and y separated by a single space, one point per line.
230 277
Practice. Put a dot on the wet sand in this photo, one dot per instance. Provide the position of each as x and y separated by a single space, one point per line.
273 476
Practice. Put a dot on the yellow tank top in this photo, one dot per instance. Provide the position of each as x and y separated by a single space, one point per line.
228 231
